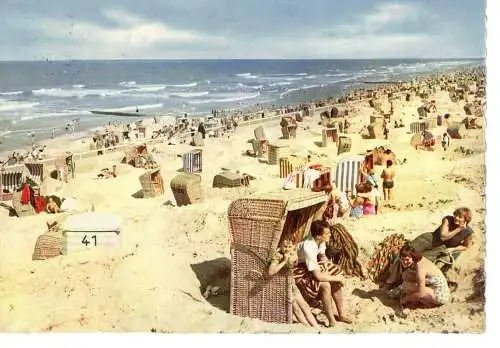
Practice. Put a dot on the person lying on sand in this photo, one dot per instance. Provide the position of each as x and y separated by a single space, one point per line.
106 173
319 280
286 255
424 285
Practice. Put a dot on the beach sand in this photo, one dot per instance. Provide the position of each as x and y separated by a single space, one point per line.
169 254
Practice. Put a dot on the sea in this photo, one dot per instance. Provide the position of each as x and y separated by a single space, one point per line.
40 96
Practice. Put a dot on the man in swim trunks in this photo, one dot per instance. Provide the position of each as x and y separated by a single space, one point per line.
388 180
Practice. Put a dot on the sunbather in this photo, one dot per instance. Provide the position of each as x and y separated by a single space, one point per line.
424 285
286 256
106 173
52 207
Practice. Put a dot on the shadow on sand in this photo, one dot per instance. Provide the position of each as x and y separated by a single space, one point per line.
215 273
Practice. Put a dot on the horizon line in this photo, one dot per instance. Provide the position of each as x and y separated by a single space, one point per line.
225 59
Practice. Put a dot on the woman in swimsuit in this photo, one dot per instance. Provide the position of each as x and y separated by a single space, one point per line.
424 284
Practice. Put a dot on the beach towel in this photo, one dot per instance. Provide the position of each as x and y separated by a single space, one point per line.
25 195
343 250
385 254
308 285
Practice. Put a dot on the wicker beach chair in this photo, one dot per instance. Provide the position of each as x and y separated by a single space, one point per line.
277 151
187 189
152 183
192 161
345 144
48 245
228 179
329 136
257 224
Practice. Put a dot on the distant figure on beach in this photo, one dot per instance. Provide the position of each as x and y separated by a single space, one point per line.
137 109
445 142
32 134
388 180
53 133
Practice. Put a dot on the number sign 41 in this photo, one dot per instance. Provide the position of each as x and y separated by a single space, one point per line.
92 241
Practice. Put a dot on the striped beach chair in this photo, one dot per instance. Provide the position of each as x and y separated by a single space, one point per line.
418 127
35 172
347 175
192 161
10 180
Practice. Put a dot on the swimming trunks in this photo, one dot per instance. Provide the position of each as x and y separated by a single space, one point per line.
440 286
388 184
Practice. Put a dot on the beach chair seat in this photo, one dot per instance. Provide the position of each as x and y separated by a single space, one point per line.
152 183
256 225
187 189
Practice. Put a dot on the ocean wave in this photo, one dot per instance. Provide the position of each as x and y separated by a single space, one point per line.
133 108
147 88
127 83
12 93
53 115
286 83
187 85
75 93
78 86
302 74
226 98
15 105
189 94
291 90
247 76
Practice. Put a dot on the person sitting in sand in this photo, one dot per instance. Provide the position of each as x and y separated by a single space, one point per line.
286 256
318 279
451 237
442 247
424 285
52 207
106 173
388 180
356 203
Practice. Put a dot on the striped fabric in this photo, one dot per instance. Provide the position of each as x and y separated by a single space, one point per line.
35 172
10 181
329 135
192 161
348 173
417 127
288 166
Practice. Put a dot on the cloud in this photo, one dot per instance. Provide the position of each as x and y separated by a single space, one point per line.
127 34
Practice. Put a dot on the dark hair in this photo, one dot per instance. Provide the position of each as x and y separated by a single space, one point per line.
317 227
327 188
463 212
389 163
388 151
408 250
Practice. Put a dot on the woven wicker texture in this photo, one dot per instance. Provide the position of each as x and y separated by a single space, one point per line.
48 245
290 164
227 179
376 131
277 151
345 144
256 227
186 189
152 183
329 136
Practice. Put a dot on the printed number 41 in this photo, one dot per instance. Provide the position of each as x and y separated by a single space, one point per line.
86 241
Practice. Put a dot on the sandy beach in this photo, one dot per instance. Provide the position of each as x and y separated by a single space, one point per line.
169 255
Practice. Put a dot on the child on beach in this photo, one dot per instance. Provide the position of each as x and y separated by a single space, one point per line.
445 142
286 255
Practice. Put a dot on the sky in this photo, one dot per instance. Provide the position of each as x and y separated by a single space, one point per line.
241 29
